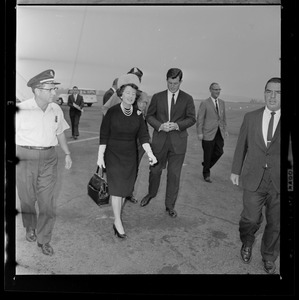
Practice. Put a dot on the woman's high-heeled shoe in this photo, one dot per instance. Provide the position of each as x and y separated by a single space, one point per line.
119 235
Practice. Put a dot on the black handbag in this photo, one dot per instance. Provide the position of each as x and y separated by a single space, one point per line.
97 189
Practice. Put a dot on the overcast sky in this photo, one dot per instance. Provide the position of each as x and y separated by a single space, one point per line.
88 46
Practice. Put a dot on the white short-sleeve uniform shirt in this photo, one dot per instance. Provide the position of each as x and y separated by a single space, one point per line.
35 127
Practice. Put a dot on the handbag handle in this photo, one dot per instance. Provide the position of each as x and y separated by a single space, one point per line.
97 171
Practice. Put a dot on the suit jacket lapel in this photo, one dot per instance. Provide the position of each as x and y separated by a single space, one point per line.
165 105
213 104
276 133
177 104
259 126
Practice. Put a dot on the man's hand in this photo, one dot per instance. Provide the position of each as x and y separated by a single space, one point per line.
164 127
169 126
68 162
173 126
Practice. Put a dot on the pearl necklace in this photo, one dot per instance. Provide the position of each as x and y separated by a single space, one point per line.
127 111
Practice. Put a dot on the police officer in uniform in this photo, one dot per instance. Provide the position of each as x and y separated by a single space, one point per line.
40 126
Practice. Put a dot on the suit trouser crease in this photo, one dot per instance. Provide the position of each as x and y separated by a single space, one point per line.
212 151
174 163
36 180
252 217
75 118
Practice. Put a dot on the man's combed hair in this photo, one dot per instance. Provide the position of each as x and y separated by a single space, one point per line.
174 73
274 80
212 84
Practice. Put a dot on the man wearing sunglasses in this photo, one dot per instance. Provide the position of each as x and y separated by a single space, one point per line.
40 126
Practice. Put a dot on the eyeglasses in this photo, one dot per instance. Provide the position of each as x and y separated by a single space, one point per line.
216 89
51 89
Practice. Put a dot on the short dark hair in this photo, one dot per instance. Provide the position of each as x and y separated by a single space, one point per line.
120 91
174 73
273 79
213 83
75 87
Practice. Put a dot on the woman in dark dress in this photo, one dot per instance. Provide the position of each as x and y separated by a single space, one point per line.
122 125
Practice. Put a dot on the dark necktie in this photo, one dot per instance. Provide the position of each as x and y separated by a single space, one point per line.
172 106
270 129
216 106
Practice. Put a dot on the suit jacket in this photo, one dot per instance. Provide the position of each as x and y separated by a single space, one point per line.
252 154
107 95
208 120
79 101
184 116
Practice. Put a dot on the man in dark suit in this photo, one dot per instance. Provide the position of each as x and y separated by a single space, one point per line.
257 159
76 103
211 129
170 113
110 92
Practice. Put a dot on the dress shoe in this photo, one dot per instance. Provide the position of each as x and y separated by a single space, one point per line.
208 179
269 266
171 212
145 201
46 249
132 199
119 235
246 254
30 235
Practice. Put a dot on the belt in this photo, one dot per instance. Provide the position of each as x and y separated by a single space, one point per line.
37 148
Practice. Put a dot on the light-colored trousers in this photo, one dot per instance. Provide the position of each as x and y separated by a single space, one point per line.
36 176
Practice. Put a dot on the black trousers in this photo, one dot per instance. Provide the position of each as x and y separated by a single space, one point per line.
174 164
252 217
212 151
75 118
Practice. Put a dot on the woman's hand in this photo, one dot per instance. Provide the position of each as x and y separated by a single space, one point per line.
152 158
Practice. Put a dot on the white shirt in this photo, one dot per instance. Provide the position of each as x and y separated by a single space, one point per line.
169 98
214 101
34 127
266 120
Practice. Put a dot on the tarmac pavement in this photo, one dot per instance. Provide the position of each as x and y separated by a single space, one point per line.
203 239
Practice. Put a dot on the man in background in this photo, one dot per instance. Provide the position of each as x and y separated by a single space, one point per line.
211 129
76 104
110 92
